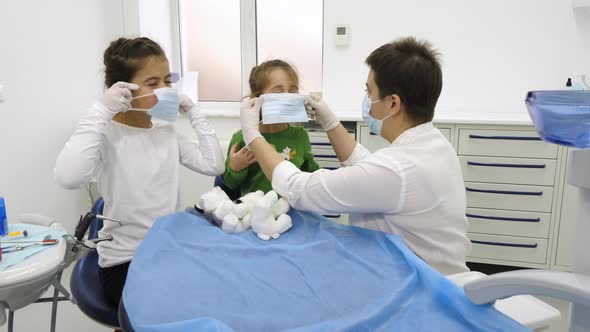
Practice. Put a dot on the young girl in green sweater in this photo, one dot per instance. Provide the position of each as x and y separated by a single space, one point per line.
242 172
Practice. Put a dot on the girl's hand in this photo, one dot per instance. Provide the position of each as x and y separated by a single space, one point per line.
118 97
238 161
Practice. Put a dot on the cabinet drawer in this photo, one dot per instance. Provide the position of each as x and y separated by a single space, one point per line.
328 163
506 222
509 248
509 197
509 143
323 152
374 142
508 170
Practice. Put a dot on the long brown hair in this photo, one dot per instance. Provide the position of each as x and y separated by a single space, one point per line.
259 75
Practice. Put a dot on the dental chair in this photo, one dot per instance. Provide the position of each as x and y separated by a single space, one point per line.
85 284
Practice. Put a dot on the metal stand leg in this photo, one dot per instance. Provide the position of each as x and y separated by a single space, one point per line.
58 286
54 303
10 320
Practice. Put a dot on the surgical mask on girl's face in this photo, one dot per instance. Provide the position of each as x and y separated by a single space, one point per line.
375 125
283 108
167 106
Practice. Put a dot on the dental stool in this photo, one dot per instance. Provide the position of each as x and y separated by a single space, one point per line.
85 284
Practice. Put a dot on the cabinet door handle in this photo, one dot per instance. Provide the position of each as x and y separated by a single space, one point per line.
506 192
332 216
325 156
510 138
372 134
474 163
504 244
321 143
469 215
330 168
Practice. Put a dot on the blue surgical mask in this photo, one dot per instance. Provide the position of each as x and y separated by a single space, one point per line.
375 125
283 108
167 106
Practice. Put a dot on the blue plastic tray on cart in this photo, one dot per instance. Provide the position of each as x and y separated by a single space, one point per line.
561 117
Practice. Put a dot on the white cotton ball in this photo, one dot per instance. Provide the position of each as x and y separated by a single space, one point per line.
221 195
247 220
240 227
210 200
271 197
264 237
241 210
222 210
262 218
284 223
280 207
230 223
252 198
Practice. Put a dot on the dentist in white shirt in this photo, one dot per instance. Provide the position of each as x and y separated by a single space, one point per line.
412 188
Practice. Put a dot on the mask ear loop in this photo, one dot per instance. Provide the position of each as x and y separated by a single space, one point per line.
141 109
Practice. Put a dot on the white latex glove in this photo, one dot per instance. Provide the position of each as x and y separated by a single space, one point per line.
323 115
198 120
249 119
118 97
186 104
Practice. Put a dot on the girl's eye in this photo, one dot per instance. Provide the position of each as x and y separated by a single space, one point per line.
168 82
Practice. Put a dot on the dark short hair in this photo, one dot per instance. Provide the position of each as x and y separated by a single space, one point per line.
411 69
123 58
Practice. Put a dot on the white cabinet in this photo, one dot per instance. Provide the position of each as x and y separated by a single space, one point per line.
373 142
566 235
519 209
510 180
325 156
504 143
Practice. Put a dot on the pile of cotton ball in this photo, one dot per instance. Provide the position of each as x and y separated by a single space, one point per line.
265 214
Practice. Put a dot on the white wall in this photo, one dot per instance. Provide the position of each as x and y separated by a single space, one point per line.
50 66
493 51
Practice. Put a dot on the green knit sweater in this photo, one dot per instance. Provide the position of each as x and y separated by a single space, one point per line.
292 143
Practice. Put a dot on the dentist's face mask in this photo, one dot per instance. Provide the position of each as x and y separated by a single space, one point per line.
283 108
167 106
375 125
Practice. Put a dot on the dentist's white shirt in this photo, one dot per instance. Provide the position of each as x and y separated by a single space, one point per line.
413 188
137 171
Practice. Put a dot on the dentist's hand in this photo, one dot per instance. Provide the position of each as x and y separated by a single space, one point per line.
249 119
118 97
323 115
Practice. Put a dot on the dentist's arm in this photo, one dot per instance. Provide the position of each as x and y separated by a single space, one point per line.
267 156
323 190
347 149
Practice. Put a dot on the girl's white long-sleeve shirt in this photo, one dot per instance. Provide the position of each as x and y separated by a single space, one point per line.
137 170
